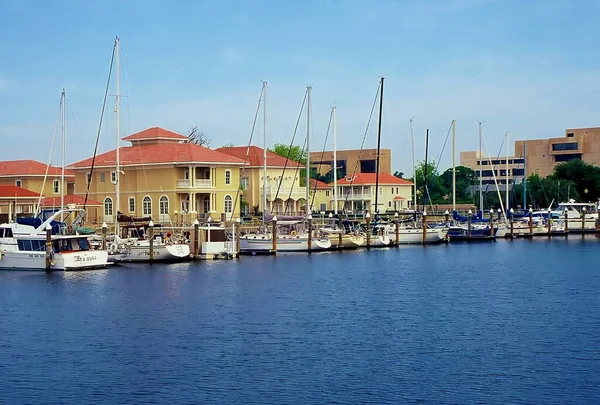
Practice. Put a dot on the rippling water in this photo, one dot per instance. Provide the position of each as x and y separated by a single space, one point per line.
503 322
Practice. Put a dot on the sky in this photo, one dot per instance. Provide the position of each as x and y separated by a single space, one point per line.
529 67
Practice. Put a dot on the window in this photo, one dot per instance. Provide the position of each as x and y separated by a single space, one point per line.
368 166
108 206
131 204
163 205
519 161
18 183
147 206
244 182
567 157
389 203
565 146
113 177
56 186
570 134
228 204
88 178
380 190
518 172
326 193
102 177
186 173
227 176
323 207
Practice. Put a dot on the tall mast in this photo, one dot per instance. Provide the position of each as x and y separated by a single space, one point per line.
453 165
335 190
507 177
63 103
308 208
118 135
378 149
412 140
425 167
480 173
264 94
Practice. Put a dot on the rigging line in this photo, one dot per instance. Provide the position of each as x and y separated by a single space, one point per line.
322 155
50 155
362 144
87 190
237 194
287 158
296 172
443 147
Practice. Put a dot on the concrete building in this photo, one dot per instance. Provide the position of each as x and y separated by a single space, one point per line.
164 176
352 161
284 193
542 155
491 167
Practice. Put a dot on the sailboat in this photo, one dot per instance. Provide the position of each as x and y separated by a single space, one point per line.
43 242
136 249
297 240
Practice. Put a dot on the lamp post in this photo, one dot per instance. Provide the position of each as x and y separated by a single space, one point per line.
447 217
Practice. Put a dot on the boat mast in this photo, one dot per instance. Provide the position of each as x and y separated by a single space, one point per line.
378 148
480 174
507 177
453 165
308 210
63 103
335 190
412 140
118 135
264 94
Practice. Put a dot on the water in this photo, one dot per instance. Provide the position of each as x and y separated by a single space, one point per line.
503 322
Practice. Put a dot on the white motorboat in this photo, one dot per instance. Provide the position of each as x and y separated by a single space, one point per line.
263 243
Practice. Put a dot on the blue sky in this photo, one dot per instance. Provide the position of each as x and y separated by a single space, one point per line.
527 66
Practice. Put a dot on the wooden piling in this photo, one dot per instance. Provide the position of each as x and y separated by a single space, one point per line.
48 247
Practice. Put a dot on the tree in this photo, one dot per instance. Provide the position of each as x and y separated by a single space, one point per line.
228 145
295 153
398 174
198 137
585 178
466 178
436 191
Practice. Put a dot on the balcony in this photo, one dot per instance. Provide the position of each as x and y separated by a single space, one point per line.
356 196
198 183
284 193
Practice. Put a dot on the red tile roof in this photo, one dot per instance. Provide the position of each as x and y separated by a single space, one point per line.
8 192
69 199
155 133
12 168
319 184
254 157
369 178
161 153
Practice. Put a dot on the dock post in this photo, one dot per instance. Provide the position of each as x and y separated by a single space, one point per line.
447 218
151 236
397 229
309 232
566 224
195 245
236 235
48 247
549 223
469 224
104 232
583 222
274 234
492 234
368 218
530 221
512 223
340 235
424 236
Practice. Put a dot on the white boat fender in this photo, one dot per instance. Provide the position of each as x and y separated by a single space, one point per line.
113 248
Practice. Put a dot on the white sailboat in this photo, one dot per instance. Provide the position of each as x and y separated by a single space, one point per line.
137 250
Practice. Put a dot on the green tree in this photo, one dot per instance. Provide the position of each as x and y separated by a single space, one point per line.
585 178
438 193
465 179
295 154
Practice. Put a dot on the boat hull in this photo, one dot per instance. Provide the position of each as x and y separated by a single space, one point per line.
348 241
264 244
66 261
414 236
161 253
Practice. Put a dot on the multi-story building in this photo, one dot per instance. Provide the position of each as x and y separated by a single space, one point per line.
321 196
15 201
357 193
283 192
352 161
36 176
493 170
542 155
164 176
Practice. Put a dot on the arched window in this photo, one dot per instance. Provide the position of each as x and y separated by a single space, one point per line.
108 206
228 204
163 205
147 205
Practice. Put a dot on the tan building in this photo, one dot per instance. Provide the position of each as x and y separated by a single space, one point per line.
493 166
164 176
37 177
284 193
321 196
357 193
352 161
542 155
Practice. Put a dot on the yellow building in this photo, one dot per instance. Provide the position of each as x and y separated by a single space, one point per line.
30 175
321 196
284 193
357 193
164 176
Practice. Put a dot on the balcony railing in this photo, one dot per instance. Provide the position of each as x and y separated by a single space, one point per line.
198 183
284 193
